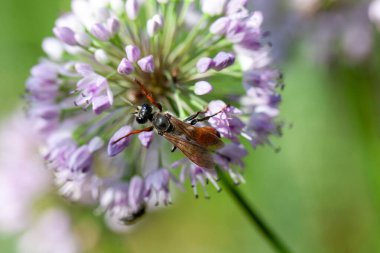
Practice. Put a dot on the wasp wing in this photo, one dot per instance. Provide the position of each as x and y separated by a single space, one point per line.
197 154
207 137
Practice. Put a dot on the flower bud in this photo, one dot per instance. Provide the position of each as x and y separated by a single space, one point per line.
101 56
117 6
154 24
132 8
80 159
220 26
84 69
101 104
202 88
114 147
53 48
213 7
100 32
133 53
136 193
147 64
125 67
146 138
113 25
83 39
223 60
66 35
204 64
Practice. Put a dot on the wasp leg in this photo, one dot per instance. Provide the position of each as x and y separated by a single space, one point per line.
195 121
194 116
148 129
173 148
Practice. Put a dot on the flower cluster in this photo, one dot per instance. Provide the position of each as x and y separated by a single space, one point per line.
374 12
83 96
24 185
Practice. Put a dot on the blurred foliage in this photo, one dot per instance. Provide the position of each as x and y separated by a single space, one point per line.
321 193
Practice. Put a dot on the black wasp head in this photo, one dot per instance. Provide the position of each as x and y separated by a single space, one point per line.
144 114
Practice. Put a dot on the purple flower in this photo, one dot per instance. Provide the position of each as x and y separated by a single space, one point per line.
113 26
223 60
158 182
213 7
154 24
42 86
46 111
133 53
101 103
235 6
230 155
81 159
220 26
132 8
147 64
83 39
101 56
226 121
115 148
146 138
204 64
23 179
66 35
202 88
53 47
100 32
136 194
124 202
196 175
125 67
260 127
94 90
266 78
42 238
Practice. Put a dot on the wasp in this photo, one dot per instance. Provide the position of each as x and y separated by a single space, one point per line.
196 143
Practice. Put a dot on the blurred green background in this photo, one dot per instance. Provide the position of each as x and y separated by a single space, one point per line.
321 193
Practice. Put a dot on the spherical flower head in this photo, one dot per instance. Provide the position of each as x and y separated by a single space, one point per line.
147 78
42 238
374 12
23 179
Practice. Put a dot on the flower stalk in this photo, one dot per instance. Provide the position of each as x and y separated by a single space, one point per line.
253 215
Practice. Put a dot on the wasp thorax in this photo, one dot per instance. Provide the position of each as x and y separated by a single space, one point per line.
144 114
161 122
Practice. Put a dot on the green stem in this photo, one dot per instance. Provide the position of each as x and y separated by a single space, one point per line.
252 214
